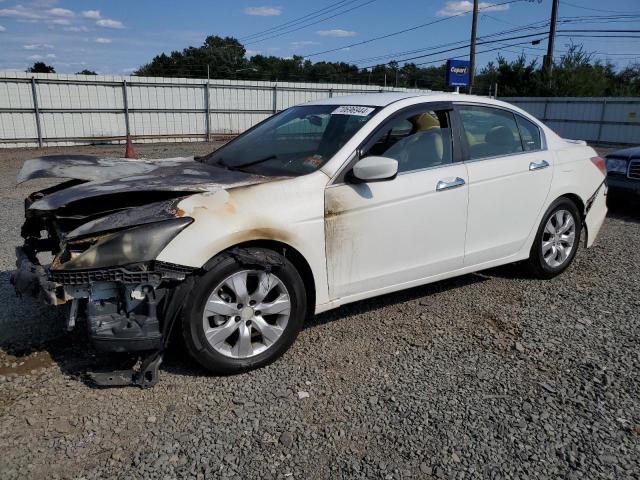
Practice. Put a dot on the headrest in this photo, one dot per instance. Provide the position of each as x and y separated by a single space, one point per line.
499 136
426 121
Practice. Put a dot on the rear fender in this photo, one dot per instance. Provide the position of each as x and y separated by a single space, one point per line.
596 211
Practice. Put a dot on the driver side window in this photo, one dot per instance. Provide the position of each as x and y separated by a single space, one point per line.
418 140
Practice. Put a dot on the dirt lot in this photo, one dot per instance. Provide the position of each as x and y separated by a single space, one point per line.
492 375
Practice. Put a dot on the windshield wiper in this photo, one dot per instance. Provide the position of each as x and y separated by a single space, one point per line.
255 162
241 166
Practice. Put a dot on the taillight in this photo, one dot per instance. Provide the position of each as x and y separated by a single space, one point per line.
600 164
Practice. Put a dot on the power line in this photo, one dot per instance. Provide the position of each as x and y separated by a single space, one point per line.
515 37
399 32
312 23
498 40
408 52
601 36
281 26
484 37
594 9
461 47
464 55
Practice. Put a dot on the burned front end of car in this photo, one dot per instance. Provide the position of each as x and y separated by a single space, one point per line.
104 266
92 243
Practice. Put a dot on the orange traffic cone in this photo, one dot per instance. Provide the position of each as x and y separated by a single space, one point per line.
129 153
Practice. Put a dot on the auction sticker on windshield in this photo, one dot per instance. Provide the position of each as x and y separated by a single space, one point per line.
353 110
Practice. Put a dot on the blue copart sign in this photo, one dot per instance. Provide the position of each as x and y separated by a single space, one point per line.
458 73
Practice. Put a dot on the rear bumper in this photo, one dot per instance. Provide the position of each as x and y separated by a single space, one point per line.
596 212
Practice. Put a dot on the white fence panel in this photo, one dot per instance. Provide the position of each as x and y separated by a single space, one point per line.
80 109
599 120
51 109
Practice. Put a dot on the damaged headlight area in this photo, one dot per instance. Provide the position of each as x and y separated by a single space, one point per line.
112 280
138 244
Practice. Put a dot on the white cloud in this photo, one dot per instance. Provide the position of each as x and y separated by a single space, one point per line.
51 55
35 57
103 40
263 11
76 29
465 6
61 12
108 23
251 53
304 43
95 14
37 46
61 21
2 29
337 32
20 12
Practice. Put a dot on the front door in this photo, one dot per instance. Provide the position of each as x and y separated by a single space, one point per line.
382 235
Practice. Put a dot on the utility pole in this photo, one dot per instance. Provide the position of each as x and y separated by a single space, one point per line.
472 53
548 59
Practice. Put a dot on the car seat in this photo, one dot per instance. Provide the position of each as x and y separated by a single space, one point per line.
420 150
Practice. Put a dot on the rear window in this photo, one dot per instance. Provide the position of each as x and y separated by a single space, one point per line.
530 134
490 132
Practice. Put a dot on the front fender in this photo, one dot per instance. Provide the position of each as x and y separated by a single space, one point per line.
289 211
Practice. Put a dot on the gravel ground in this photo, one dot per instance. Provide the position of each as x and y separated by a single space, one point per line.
491 375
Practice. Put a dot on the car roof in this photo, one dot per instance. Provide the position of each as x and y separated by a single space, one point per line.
382 99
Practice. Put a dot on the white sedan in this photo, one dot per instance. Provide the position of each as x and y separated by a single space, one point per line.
322 204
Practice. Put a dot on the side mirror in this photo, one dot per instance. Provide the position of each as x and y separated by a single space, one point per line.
374 169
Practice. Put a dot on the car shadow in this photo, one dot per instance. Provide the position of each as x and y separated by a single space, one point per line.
395 298
33 336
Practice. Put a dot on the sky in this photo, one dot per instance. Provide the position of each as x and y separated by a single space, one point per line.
117 36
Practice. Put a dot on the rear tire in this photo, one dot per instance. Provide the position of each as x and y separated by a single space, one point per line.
557 240
241 316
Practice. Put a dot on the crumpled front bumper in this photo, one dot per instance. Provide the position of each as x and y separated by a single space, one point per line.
123 308
31 278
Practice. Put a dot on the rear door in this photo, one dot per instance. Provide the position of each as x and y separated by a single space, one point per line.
510 174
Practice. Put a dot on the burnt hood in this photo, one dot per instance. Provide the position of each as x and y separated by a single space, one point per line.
105 179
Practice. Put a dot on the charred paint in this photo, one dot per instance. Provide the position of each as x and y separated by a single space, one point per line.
339 236
104 177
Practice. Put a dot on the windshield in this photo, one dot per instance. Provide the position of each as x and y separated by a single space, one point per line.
294 142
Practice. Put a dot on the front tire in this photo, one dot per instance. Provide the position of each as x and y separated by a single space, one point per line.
557 240
244 314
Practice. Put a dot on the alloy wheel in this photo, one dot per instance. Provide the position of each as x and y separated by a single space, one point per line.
246 313
558 238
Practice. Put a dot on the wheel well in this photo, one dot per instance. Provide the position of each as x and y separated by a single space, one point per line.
298 260
580 205
578 202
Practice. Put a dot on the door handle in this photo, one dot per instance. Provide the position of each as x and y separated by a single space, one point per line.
445 185
538 166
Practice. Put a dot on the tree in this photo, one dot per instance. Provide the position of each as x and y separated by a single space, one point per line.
86 72
630 80
224 56
575 73
41 67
